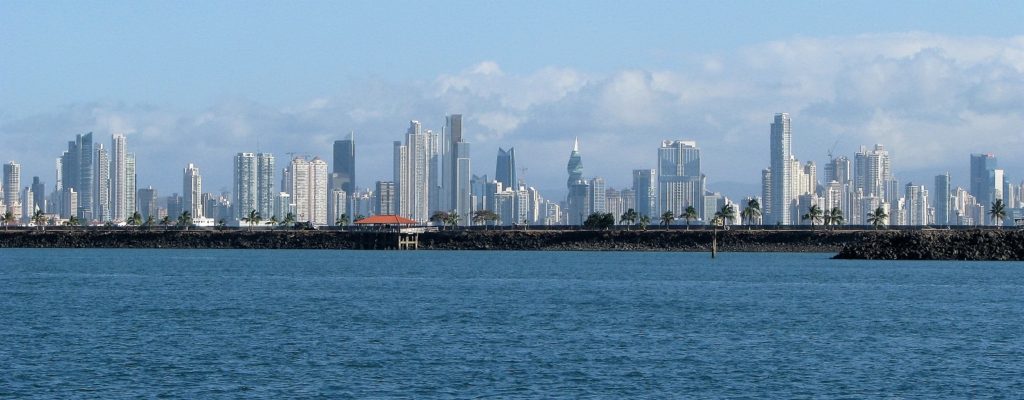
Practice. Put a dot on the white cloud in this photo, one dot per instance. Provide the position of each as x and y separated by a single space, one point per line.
929 98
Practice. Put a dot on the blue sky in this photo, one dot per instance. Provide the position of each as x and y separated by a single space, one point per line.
622 75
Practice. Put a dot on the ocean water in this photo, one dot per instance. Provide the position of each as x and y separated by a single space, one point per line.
103 323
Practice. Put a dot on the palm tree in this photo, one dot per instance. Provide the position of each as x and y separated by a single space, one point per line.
667 217
165 221
878 217
726 215
253 218
814 214
342 220
453 219
150 221
72 221
643 222
753 211
998 212
273 220
185 219
39 218
135 219
834 216
689 214
629 217
288 220
8 219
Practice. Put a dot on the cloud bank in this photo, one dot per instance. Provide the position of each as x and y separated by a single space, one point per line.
931 99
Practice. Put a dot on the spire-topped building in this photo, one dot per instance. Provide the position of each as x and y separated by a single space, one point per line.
578 206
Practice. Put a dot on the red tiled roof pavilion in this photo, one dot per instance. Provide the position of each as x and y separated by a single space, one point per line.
385 220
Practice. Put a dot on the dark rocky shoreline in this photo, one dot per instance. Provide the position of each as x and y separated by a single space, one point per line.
975 244
849 244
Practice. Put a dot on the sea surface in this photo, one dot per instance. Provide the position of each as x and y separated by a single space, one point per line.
102 323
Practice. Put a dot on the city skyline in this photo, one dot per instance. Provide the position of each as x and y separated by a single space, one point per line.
920 86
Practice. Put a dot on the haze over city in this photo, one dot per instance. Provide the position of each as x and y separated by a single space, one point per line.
199 82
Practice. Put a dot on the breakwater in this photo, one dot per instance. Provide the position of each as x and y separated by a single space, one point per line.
849 244
650 240
994 245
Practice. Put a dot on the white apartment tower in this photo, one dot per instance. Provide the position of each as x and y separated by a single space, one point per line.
412 173
192 191
781 175
12 183
307 184
119 178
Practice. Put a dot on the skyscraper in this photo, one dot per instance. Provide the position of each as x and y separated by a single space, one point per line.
385 198
412 173
941 199
598 196
146 198
916 207
505 169
12 188
103 207
644 187
119 187
872 172
76 174
254 185
680 183
345 163
781 171
308 188
131 184
982 182
457 194
577 204
39 193
192 192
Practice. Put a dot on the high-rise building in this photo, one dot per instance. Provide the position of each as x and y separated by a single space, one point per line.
308 188
838 169
412 173
385 198
345 163
577 204
39 194
101 200
192 192
12 185
254 185
147 202
916 207
456 174
644 187
598 193
782 195
941 199
130 184
505 168
76 173
982 166
680 182
28 207
119 187
337 203
872 172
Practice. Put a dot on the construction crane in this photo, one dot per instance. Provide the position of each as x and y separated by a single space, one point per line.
831 149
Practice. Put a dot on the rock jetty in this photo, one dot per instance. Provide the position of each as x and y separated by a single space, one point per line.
975 244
